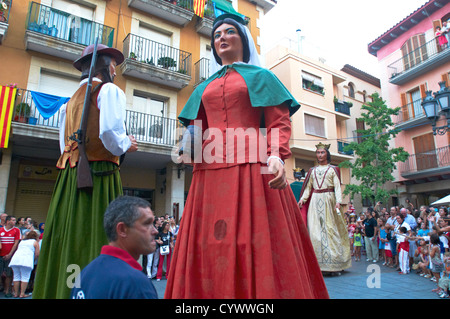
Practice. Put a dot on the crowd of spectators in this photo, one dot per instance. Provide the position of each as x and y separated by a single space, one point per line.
21 238
19 250
409 239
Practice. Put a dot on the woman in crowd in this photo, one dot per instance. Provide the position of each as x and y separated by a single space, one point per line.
22 262
165 241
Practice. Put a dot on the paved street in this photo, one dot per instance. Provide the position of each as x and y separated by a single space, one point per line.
386 283
364 280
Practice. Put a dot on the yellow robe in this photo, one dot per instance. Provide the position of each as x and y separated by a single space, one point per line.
326 226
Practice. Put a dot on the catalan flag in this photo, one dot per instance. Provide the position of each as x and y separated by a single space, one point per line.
199 7
7 98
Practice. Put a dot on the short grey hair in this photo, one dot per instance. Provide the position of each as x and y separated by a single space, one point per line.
123 209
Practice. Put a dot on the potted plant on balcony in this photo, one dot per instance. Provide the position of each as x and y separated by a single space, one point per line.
22 112
167 62
133 56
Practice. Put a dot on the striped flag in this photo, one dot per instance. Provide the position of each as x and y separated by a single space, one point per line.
199 7
7 98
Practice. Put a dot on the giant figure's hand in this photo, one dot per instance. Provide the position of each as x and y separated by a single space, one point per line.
276 168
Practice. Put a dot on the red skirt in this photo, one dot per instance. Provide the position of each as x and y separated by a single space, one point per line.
239 239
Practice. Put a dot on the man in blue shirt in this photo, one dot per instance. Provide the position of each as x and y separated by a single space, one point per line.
116 274
409 218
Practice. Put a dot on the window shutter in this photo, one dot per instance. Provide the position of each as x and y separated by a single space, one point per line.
446 79
423 90
405 114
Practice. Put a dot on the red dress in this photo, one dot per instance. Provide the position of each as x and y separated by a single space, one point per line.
238 237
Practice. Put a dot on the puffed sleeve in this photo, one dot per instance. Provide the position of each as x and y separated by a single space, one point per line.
111 103
62 127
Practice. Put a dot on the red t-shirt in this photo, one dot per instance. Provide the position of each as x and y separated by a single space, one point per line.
7 239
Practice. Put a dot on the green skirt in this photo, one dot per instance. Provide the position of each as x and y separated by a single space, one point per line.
74 232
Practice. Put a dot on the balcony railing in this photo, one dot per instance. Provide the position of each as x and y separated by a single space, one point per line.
179 12
156 62
434 159
342 107
152 128
145 127
426 53
66 26
409 112
201 69
157 54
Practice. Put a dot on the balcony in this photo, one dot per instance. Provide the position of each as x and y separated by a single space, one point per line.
179 12
265 4
4 19
155 62
342 110
432 163
204 26
410 116
145 127
61 34
153 129
341 146
201 70
342 107
417 62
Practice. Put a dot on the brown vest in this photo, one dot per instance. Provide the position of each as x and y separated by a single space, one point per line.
95 150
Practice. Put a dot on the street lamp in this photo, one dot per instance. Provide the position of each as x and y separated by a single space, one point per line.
436 106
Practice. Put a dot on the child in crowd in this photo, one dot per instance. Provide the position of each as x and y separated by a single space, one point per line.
382 238
403 250
423 231
351 231
445 280
357 242
424 263
436 260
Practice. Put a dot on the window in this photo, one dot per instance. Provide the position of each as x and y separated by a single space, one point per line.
351 90
414 51
312 83
147 117
314 125
412 103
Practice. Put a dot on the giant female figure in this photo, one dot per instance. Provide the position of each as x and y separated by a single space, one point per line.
241 234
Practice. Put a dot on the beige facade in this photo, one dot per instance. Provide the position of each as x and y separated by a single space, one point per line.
330 101
39 41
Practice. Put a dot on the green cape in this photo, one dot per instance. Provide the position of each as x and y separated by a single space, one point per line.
264 89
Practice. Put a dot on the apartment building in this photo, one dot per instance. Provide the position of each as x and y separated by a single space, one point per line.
330 101
166 48
412 65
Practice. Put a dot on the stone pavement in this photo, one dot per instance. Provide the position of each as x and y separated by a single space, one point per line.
368 280
364 280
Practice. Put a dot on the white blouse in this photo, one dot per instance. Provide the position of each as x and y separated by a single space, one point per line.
112 130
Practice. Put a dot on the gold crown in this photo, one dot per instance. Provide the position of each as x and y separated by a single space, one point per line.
324 146
297 169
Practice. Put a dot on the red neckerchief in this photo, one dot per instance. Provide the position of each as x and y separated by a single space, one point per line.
122 255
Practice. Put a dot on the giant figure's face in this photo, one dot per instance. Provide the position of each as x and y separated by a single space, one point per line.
228 44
